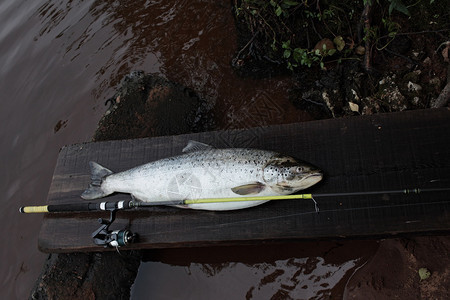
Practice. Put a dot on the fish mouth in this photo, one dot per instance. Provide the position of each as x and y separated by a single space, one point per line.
310 180
316 175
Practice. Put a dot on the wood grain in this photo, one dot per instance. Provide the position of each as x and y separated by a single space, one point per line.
369 153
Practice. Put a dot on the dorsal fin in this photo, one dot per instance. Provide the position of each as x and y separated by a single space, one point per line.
193 146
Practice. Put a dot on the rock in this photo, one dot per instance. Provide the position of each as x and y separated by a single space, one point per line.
107 275
142 105
427 61
388 97
324 46
414 87
435 82
353 107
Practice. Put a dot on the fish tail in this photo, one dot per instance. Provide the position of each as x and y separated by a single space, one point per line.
98 174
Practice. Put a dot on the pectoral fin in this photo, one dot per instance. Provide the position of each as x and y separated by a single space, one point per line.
249 189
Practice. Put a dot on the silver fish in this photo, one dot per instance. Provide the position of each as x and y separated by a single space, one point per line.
205 172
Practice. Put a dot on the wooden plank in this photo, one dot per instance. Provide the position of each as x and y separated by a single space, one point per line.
368 153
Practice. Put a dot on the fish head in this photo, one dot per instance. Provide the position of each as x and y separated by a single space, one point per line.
287 175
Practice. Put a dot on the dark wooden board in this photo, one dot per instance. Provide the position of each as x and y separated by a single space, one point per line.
369 153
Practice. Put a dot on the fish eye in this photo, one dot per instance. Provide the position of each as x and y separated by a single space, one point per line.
299 170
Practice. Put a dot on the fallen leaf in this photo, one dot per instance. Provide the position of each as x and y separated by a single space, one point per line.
339 42
424 273
353 106
360 50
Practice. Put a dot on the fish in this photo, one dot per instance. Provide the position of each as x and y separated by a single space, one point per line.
203 171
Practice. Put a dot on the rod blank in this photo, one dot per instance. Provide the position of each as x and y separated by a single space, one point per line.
92 206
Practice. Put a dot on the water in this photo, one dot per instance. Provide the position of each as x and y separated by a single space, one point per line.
306 270
62 59
236 280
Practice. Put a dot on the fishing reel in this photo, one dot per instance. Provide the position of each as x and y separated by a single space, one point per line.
112 238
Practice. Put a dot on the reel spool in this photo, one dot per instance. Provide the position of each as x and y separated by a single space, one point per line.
112 238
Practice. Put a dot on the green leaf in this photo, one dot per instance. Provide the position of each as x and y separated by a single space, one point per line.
289 66
391 7
398 5
278 11
287 53
331 52
424 273
297 55
274 47
402 8
290 3
392 34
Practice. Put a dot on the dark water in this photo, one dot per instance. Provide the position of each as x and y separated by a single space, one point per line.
303 270
60 61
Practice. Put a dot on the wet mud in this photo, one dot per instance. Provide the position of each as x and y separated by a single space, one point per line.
105 275
393 272
148 105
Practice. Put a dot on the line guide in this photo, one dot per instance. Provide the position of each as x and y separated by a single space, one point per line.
118 238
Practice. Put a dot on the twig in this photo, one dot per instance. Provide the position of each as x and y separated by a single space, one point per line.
365 18
314 28
443 99
413 33
248 44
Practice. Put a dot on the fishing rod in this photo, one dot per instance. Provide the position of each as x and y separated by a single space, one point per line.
129 204
117 238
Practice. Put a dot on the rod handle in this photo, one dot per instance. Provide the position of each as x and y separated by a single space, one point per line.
33 209
82 206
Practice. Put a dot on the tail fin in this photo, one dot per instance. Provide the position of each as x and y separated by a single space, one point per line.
98 173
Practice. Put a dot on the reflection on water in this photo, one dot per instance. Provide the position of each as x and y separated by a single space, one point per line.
295 270
293 278
62 59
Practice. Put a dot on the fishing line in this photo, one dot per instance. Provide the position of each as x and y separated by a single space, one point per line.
298 214
117 238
